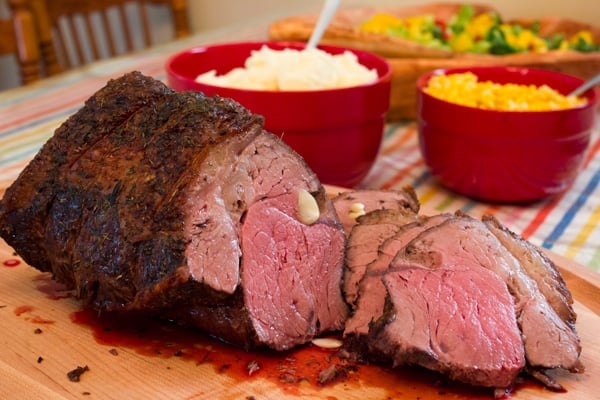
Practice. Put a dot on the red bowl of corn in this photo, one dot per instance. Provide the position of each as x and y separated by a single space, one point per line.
504 134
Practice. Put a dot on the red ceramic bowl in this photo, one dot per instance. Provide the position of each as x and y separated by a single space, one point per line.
337 131
505 156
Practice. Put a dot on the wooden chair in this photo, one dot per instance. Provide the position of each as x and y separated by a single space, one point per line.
19 38
76 32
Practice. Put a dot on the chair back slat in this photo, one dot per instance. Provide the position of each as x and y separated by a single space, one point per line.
19 38
126 28
48 52
59 48
71 32
89 30
117 27
147 34
107 29
180 17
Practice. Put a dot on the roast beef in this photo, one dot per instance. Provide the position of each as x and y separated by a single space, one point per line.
371 292
181 206
461 296
352 204
372 229
457 319
463 240
539 267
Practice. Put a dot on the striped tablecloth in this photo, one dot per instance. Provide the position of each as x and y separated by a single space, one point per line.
568 224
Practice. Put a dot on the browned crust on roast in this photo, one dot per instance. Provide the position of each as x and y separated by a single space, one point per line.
21 204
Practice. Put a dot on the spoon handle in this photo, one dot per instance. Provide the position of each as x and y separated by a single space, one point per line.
585 86
326 14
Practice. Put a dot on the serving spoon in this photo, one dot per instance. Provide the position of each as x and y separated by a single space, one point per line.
585 86
324 17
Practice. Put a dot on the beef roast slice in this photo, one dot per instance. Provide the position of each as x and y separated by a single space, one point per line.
371 292
364 240
463 239
290 272
456 319
539 267
370 200
162 202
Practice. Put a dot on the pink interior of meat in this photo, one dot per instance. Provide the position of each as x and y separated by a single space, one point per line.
208 224
465 317
465 239
363 249
289 271
245 235
371 291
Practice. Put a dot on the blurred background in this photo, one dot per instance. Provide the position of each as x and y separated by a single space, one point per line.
206 15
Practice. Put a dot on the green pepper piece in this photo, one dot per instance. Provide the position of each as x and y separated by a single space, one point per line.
462 19
553 42
584 46
497 40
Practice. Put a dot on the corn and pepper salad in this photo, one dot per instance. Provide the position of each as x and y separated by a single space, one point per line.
484 34
465 89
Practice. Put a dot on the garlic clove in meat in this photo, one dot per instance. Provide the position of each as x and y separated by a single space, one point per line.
356 210
327 343
308 209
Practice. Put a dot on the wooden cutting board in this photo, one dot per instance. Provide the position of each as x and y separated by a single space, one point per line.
44 335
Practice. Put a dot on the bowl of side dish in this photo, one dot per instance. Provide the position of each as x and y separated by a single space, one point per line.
338 130
504 134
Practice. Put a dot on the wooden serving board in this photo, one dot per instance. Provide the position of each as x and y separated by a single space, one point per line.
44 335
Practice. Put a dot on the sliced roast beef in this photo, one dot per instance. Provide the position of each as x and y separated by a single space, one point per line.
371 292
539 267
463 240
181 206
371 230
447 294
351 205
457 319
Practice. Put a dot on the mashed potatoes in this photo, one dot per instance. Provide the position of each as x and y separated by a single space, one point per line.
290 69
